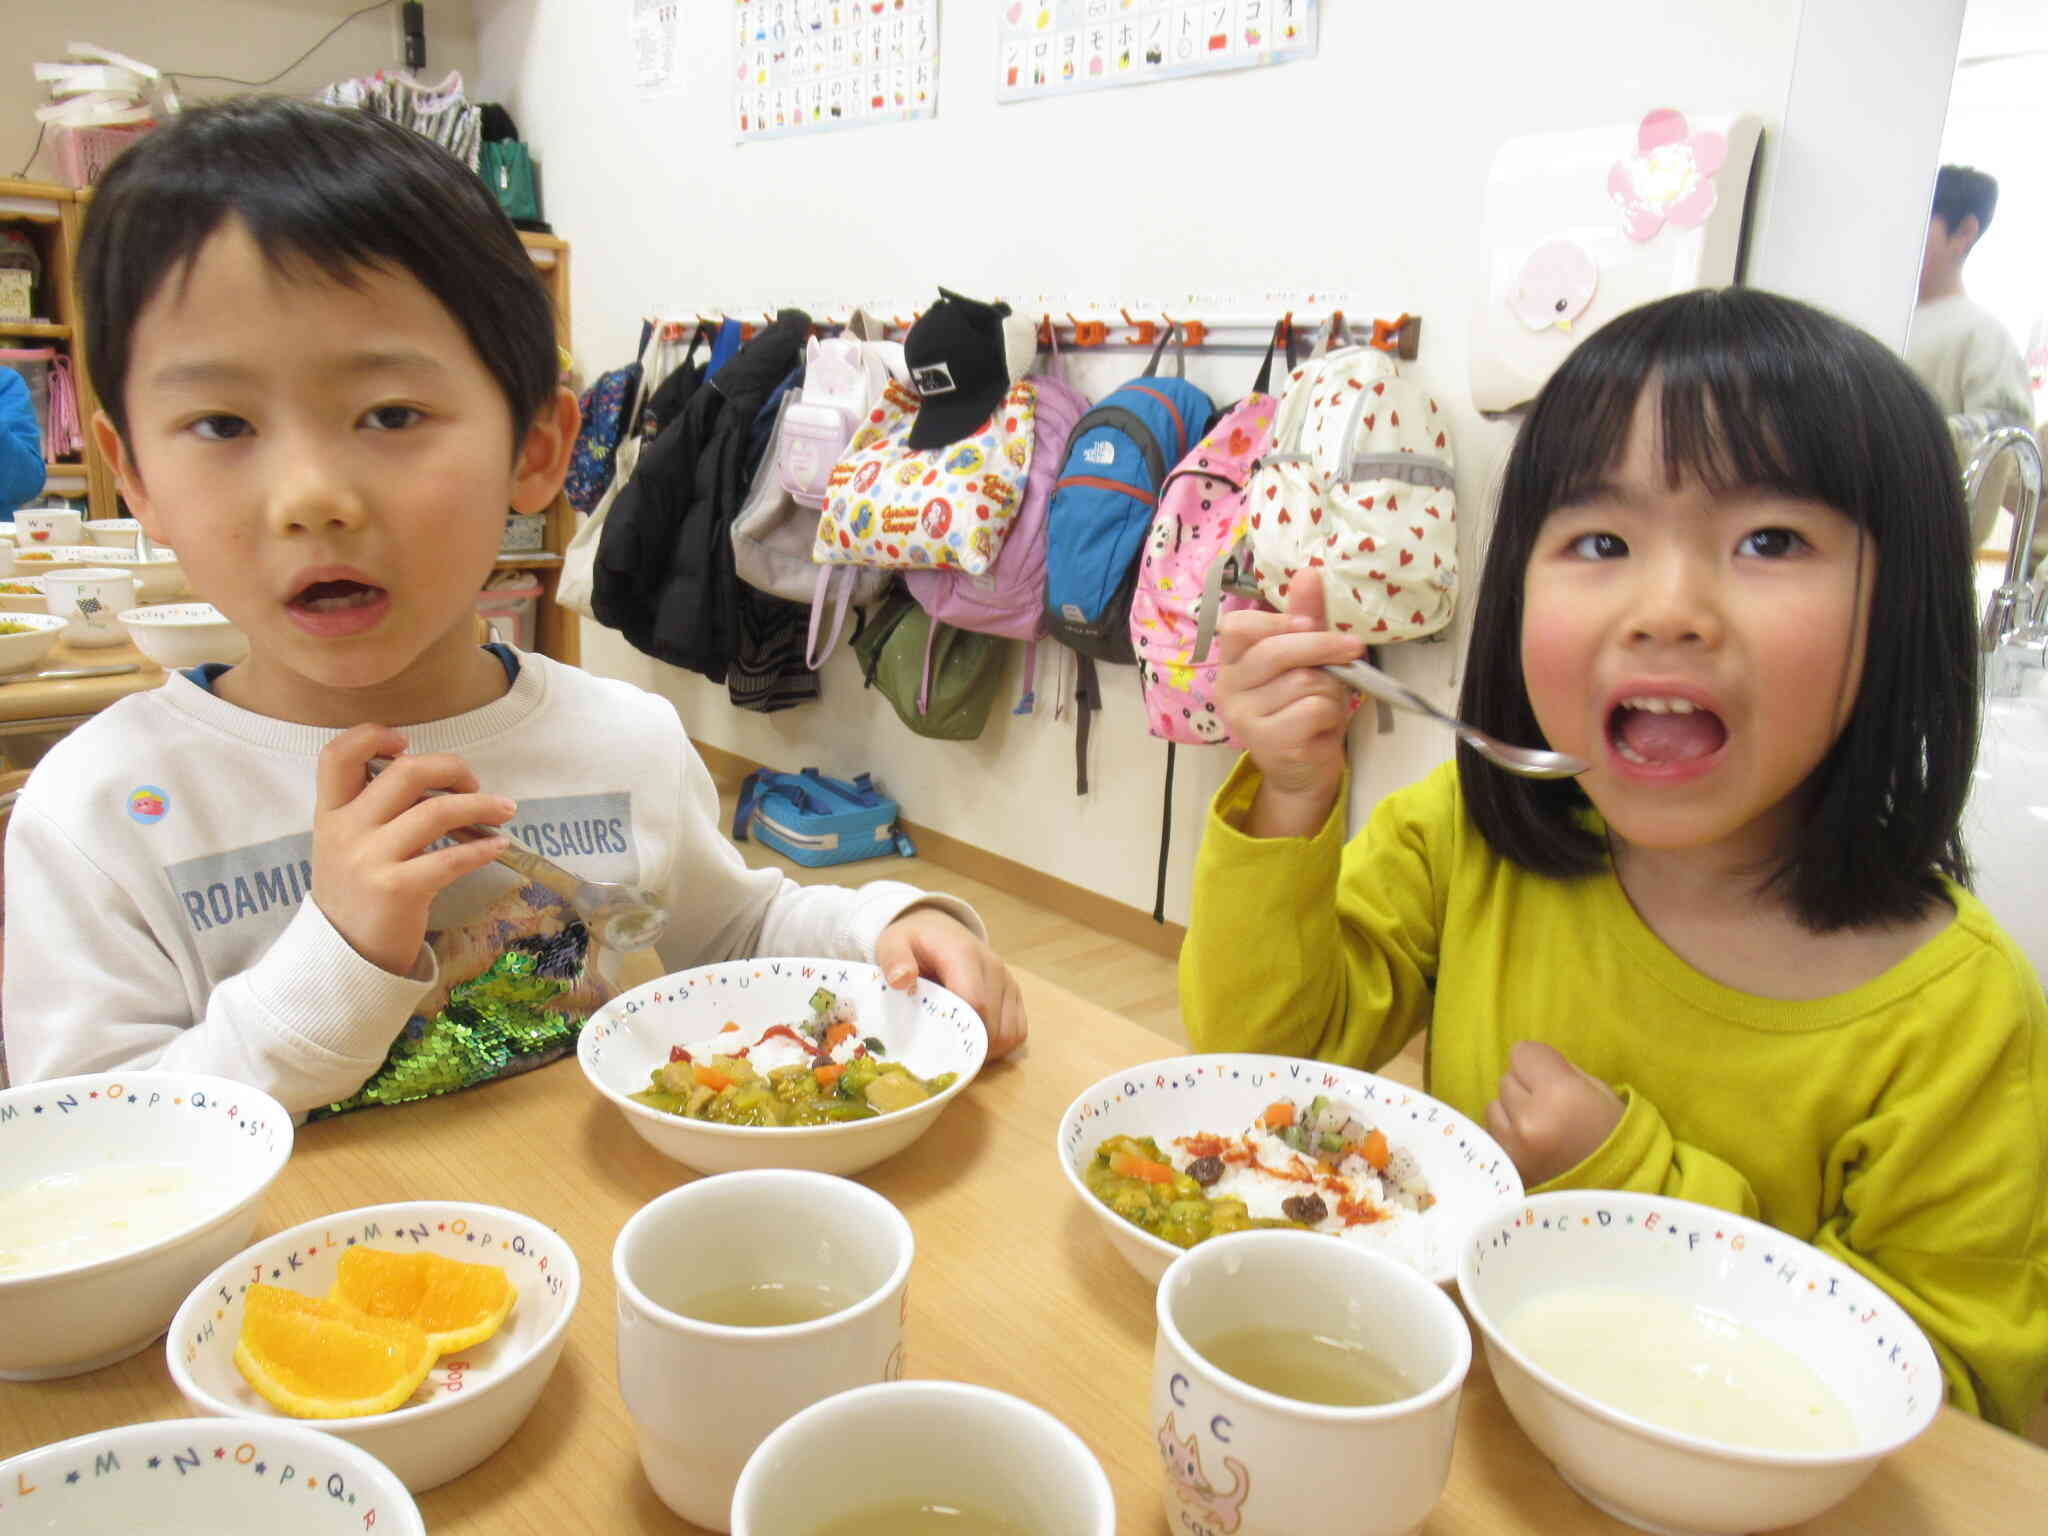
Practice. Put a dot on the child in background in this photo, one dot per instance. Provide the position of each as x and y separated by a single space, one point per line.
21 445
329 369
1735 961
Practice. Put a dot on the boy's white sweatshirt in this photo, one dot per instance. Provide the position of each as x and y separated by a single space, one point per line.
159 863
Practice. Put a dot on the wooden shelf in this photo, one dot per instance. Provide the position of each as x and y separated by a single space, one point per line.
527 562
40 330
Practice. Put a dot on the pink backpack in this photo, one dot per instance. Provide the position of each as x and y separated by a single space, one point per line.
1200 519
1009 599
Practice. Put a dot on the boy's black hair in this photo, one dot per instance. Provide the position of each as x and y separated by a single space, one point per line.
330 191
1961 191
1757 390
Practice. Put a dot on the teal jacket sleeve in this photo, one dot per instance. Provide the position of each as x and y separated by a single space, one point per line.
21 443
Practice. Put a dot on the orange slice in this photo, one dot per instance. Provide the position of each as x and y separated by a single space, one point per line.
315 1359
457 1304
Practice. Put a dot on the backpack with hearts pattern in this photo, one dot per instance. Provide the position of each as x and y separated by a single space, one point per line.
1360 486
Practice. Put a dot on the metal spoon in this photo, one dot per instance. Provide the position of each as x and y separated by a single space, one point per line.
1529 762
56 673
619 916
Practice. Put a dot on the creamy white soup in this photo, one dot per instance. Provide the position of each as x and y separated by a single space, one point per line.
1683 1366
64 1219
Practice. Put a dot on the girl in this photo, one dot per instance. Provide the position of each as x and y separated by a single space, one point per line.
1735 961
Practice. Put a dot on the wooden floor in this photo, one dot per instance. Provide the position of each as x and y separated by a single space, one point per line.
1122 977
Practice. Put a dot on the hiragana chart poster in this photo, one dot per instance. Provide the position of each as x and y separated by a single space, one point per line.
1051 47
804 66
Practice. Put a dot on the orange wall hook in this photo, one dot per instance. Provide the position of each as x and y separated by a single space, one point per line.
1088 333
1192 332
1401 336
1143 332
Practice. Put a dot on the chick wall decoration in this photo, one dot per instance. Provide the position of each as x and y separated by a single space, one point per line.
1581 226
1555 285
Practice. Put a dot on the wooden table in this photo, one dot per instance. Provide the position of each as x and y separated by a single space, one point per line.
61 704
1014 1287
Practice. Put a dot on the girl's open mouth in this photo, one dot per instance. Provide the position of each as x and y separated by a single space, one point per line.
341 607
1661 732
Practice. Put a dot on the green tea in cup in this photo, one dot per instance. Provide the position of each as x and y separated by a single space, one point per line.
765 1304
1307 1366
919 1517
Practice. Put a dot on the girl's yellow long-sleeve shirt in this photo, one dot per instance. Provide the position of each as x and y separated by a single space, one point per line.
1901 1126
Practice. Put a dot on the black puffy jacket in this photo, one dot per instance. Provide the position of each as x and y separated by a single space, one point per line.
664 576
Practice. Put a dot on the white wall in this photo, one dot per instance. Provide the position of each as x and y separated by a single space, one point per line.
1359 171
248 39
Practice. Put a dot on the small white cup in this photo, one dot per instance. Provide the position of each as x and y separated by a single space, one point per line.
1240 1459
41 527
93 598
703 1395
924 1442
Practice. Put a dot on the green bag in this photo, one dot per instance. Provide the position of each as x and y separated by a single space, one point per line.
507 169
941 680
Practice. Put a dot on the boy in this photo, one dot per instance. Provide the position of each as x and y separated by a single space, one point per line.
328 369
1958 348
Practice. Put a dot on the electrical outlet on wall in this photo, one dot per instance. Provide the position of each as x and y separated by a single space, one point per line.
412 34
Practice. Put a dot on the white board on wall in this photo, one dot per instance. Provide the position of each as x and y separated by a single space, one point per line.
1579 227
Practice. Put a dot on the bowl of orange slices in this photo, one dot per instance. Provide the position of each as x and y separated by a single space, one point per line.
422 1332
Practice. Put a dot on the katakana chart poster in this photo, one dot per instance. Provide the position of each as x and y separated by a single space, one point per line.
805 66
1052 47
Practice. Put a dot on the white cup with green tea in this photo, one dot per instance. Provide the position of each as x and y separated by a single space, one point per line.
92 598
743 1298
1303 1383
923 1458
44 527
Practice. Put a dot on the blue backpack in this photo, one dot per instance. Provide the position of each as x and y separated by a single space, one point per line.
1103 504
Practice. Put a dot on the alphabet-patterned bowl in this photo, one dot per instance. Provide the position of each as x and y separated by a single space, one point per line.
118 1191
930 1031
1686 1425
471 1401
1464 1170
222 1476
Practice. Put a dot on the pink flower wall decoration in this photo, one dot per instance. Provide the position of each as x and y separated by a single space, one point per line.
1670 177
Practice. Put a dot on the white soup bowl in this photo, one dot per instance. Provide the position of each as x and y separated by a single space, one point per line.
34 600
37 637
1856 1339
1223 1093
177 635
220 1476
222 1142
928 1030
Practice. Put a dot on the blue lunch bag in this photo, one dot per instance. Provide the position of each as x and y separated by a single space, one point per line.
818 820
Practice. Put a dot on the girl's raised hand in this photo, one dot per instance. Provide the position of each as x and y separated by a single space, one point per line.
375 871
1550 1116
1290 714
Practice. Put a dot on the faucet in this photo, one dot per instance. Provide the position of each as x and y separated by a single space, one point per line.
2015 628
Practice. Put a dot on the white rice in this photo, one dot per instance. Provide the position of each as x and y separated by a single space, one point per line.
1401 1234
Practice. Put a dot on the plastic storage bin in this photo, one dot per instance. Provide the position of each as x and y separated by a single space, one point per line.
508 613
83 154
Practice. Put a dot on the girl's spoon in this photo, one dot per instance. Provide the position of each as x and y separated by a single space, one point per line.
1530 762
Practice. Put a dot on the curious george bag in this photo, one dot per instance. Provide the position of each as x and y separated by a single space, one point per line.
888 504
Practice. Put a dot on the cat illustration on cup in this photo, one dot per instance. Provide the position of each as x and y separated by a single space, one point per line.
1222 1511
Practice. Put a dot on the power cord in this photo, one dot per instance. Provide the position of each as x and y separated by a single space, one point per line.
179 74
